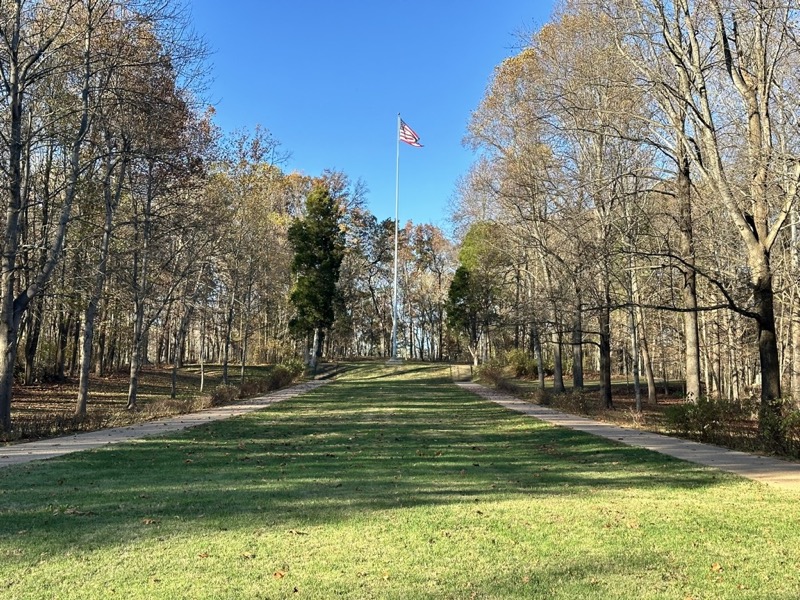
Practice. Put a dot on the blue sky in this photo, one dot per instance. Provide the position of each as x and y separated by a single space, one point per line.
328 78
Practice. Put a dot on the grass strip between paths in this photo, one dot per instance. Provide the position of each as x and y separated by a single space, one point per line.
390 484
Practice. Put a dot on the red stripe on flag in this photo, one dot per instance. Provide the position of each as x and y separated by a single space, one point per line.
408 135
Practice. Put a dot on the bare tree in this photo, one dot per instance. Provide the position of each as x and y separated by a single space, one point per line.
39 42
719 52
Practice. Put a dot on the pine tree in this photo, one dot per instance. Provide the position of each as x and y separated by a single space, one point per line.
318 244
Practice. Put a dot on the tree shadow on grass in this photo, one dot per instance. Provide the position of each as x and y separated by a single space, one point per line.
343 450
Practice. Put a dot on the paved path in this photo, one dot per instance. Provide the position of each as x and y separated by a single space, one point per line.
759 468
26 452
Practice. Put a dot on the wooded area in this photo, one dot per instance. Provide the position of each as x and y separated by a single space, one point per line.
635 205
632 210
136 234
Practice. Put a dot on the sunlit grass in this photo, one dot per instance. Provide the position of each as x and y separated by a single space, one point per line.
390 483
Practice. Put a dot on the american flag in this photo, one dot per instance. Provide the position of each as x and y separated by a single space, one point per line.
408 135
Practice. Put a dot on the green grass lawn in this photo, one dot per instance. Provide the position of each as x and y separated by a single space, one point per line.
390 484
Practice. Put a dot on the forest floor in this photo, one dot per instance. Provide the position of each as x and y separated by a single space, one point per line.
44 410
390 483
733 425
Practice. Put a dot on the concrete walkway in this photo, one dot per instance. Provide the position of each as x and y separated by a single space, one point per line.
22 453
771 471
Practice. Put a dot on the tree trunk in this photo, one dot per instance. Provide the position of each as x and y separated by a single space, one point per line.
17 76
64 326
440 350
32 335
113 351
8 315
637 387
162 347
315 347
8 352
76 335
180 342
536 340
141 274
245 325
86 357
770 408
136 356
473 351
244 355
227 341
706 358
648 361
558 368
577 344
638 315
795 364
183 333
100 367
691 334
795 310
605 356
733 360
133 379
202 351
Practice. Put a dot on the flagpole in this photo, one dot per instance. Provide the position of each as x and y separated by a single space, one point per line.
396 232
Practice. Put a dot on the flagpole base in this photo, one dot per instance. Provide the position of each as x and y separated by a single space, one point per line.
394 361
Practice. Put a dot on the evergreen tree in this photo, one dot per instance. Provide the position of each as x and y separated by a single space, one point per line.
318 244
474 297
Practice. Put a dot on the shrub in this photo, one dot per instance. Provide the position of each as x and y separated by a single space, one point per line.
164 407
494 373
575 401
491 372
295 366
781 434
510 386
540 396
521 364
280 377
224 394
791 432
251 387
703 419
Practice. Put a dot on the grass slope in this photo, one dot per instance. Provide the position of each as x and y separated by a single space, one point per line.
390 484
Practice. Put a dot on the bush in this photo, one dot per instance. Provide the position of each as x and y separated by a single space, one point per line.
494 373
540 396
278 377
491 372
251 387
295 366
224 394
575 401
510 386
281 376
702 420
521 364
791 432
